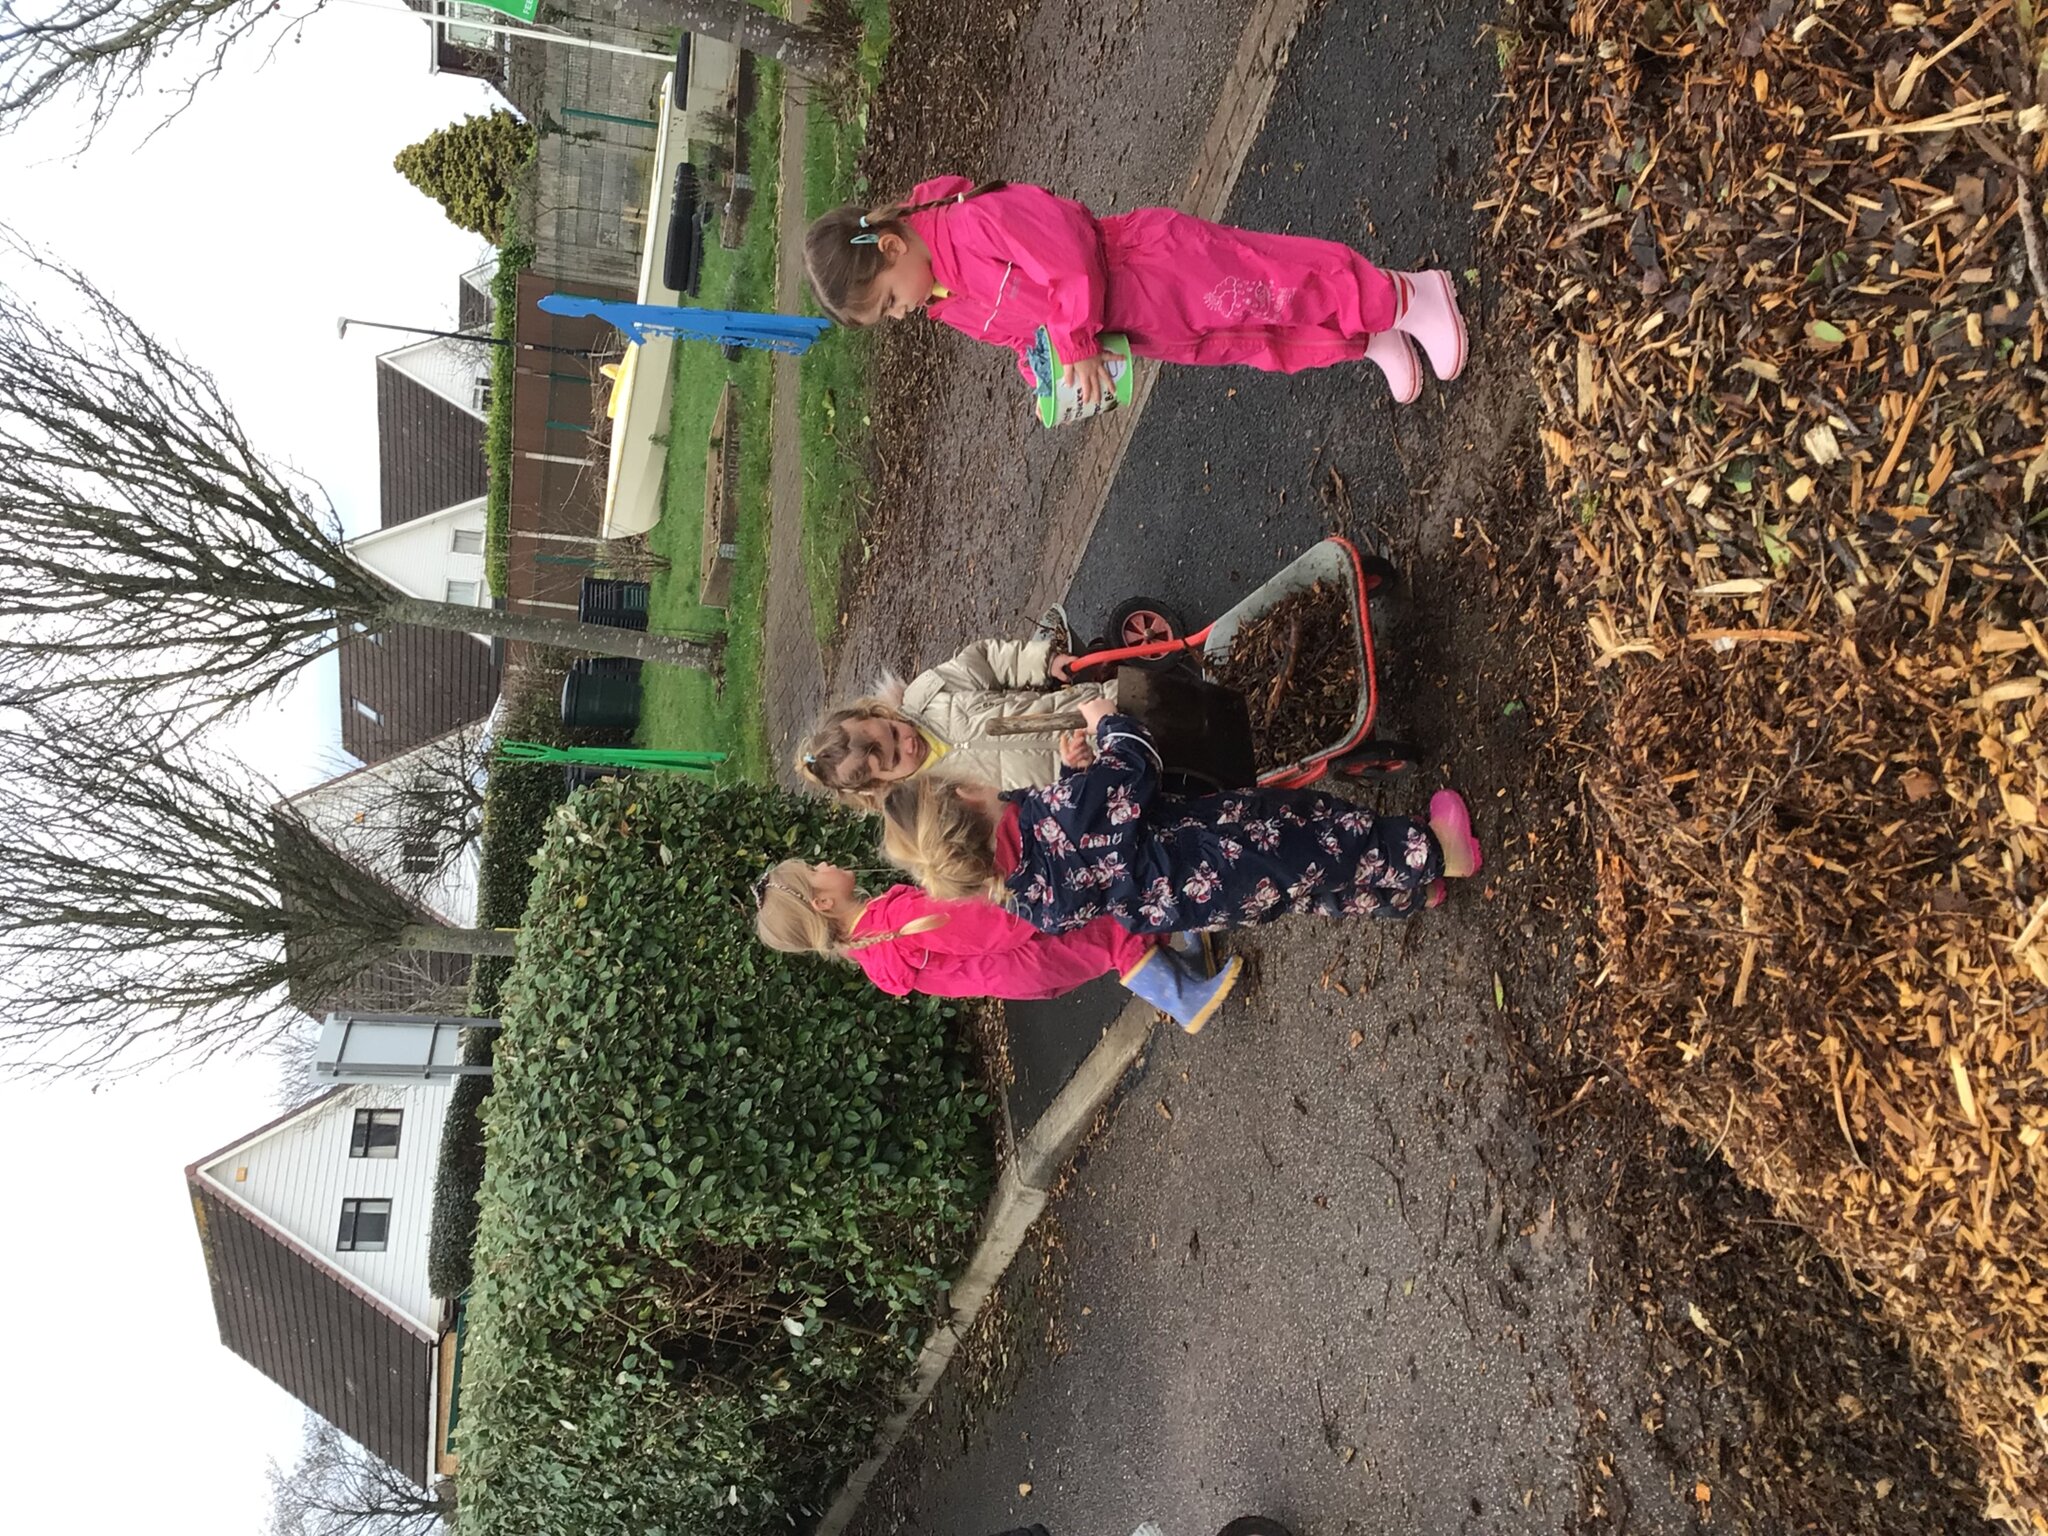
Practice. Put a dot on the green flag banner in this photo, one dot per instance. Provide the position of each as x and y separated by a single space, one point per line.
518 10
627 759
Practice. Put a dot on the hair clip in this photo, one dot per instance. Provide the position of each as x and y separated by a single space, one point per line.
863 221
810 759
865 240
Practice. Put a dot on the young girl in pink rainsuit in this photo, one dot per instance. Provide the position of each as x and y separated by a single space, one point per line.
905 942
998 260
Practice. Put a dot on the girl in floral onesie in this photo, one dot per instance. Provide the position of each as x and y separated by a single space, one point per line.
1105 842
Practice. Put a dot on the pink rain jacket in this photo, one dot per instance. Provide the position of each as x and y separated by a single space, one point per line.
983 951
1182 289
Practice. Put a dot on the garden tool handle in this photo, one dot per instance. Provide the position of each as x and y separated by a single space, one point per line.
1046 724
1151 650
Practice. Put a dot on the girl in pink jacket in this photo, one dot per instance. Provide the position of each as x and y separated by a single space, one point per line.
905 942
998 260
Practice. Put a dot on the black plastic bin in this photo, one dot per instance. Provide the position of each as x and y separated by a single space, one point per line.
682 256
619 604
596 699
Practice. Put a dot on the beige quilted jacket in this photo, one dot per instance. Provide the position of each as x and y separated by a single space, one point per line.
955 700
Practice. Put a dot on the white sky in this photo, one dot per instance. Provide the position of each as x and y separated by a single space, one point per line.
239 233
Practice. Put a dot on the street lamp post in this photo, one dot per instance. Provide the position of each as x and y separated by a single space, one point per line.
342 324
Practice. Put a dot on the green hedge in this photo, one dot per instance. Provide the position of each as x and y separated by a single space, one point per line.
458 1174
725 1186
519 801
515 258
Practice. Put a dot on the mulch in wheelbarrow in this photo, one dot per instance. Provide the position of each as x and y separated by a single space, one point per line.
1297 667
1787 276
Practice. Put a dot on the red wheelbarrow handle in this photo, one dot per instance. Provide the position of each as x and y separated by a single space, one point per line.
1152 650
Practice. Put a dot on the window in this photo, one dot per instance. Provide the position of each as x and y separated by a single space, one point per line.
480 395
480 38
375 1133
367 713
365 1225
419 856
469 541
464 592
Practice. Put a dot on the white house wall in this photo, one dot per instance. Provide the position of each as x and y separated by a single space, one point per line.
299 1175
419 556
452 369
357 813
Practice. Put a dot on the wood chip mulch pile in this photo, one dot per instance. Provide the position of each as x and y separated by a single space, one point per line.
1785 267
1296 665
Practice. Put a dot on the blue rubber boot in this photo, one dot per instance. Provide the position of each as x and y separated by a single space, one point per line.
1170 983
1196 947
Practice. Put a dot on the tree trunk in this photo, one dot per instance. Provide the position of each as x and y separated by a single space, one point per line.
561 634
438 940
743 25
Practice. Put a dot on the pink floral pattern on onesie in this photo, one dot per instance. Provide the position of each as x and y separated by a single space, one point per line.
1242 299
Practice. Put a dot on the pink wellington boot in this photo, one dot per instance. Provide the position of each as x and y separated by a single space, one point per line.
1396 357
1426 308
1451 820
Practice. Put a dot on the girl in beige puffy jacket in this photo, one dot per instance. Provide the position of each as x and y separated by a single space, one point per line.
938 724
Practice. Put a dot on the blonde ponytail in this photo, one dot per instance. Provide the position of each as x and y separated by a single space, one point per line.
943 840
785 920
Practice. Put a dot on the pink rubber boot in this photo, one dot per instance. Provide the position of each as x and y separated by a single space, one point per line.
1391 350
1451 820
1426 309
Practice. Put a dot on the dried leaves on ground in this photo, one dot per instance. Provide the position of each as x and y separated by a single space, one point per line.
936 113
1785 263
1296 666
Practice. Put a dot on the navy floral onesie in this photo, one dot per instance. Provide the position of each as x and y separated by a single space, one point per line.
1104 840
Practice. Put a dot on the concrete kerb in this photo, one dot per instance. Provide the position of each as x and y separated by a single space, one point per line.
1019 1200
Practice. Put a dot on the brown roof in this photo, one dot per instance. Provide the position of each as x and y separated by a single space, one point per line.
430 451
405 983
314 1331
421 683
472 307
325 982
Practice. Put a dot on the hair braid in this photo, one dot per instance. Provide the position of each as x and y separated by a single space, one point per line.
843 265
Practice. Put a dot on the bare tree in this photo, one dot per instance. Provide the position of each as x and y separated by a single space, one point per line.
336 1488
293 1053
164 904
150 556
101 51
427 811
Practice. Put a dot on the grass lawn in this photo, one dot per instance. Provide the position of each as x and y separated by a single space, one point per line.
681 709
832 399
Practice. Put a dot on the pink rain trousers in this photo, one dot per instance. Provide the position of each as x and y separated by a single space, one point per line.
1182 289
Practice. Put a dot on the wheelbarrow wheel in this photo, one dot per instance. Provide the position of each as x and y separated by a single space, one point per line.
1143 621
1378 760
1379 574
1254 1525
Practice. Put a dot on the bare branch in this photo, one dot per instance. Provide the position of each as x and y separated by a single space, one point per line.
336 1488
101 52
165 904
150 557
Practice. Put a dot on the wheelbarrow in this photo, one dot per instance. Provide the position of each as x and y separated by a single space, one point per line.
1147 632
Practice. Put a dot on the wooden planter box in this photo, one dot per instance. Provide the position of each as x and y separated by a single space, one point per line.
721 504
735 192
